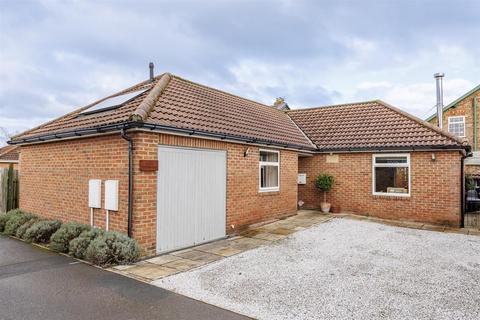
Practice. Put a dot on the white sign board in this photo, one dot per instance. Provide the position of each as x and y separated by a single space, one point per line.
94 193
111 195
302 178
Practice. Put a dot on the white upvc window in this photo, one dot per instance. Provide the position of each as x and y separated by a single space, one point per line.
391 174
269 170
456 126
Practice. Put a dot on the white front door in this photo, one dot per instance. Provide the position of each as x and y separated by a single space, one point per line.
191 197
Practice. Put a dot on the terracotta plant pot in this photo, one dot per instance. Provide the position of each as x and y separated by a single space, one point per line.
325 207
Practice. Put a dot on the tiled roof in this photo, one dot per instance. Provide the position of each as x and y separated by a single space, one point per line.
187 105
9 153
74 120
172 103
369 125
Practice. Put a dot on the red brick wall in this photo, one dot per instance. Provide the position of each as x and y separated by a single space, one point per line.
245 205
54 181
435 194
54 178
464 108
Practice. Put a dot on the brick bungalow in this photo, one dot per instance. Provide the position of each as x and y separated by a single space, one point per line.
461 118
9 156
194 163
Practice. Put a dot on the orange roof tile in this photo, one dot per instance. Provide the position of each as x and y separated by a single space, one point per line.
369 125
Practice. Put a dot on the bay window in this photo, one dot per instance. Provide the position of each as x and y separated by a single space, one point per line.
391 174
269 170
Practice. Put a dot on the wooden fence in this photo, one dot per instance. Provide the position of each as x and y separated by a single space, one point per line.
472 219
8 189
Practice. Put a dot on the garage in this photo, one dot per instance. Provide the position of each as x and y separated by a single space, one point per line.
191 197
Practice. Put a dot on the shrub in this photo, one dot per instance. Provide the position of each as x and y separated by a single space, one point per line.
41 231
112 248
60 240
6 216
23 228
16 221
324 182
78 246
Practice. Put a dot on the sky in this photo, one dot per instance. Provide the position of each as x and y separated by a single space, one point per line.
56 56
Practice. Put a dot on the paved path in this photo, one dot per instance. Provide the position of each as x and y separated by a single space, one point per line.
38 284
188 259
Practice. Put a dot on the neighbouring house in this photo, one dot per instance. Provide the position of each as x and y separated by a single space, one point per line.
9 156
461 118
193 164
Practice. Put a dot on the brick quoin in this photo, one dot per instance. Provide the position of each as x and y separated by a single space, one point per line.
435 194
54 181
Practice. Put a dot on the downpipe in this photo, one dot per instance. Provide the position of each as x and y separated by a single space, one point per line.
130 180
462 191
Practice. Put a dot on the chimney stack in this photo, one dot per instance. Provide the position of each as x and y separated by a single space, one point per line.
439 81
280 104
151 66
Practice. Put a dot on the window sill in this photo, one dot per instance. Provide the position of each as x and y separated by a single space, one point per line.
268 192
392 197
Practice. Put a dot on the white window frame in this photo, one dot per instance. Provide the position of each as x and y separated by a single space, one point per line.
464 126
391 165
265 163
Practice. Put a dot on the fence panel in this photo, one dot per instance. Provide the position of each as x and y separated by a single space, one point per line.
8 189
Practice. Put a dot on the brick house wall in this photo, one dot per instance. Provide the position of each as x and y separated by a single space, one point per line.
435 194
54 178
245 204
54 181
463 108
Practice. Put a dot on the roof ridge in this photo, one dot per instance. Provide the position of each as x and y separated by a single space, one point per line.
332 106
148 103
422 122
303 132
227 93
80 109
6 149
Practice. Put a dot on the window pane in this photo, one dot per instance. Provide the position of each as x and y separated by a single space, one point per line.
266 156
391 160
456 119
269 176
391 180
457 129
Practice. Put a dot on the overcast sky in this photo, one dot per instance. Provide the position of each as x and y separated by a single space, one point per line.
58 55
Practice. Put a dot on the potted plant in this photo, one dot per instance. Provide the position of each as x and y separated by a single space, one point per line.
324 182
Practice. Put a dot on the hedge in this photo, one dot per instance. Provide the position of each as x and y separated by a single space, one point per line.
23 228
112 248
100 247
41 231
16 221
78 246
6 216
60 240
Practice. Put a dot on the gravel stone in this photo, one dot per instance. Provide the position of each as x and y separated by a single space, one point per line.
345 269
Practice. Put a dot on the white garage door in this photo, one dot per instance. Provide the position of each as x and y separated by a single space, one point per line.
191 197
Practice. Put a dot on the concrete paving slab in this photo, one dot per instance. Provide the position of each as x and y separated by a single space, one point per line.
163 259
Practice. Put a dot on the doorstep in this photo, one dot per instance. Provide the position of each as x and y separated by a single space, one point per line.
188 259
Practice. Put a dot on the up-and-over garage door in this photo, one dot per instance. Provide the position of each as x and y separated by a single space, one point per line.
191 197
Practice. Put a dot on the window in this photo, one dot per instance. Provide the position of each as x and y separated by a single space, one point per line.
391 174
112 103
456 125
269 170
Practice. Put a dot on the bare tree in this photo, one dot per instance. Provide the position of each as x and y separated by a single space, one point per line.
5 135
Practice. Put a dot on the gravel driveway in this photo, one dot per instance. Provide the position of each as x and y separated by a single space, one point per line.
346 269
